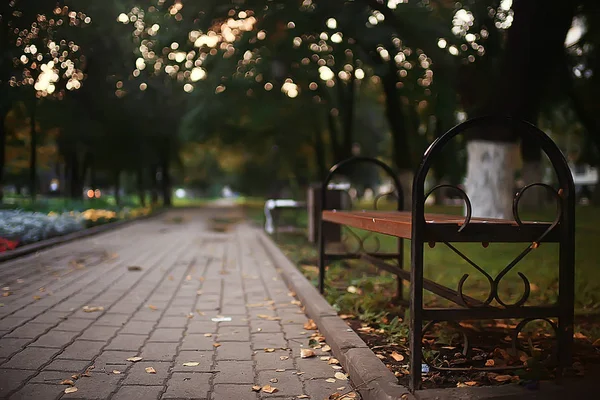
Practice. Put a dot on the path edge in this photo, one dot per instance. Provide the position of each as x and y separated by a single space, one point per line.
368 374
57 240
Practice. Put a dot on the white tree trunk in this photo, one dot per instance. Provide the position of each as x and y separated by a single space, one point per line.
406 180
532 173
490 178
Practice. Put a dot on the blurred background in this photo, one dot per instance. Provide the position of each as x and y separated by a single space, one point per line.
177 101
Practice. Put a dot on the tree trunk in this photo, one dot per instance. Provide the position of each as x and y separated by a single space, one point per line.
33 154
166 177
154 187
118 187
400 148
490 177
2 151
140 187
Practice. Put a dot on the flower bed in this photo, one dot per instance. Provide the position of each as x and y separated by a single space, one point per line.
19 227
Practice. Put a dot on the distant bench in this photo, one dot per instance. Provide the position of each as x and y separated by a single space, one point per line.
273 210
431 229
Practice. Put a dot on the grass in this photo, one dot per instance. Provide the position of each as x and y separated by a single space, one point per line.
356 287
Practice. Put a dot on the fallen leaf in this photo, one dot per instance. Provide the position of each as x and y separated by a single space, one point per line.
5 294
330 380
188 278
596 343
296 302
283 358
334 396
340 376
191 364
292 294
268 317
303 396
341 388
70 390
134 359
346 316
92 308
116 372
397 356
215 345
150 370
153 308
326 348
579 335
280 370
273 380
325 358
333 361
310 325
471 383
207 334
269 389
489 363
306 353
380 356
336 367
134 268
269 350
36 298
502 378
67 382
256 388
75 376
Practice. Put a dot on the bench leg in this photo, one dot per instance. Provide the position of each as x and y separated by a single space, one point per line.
416 314
399 280
321 257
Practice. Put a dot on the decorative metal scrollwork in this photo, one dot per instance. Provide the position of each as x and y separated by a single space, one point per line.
465 198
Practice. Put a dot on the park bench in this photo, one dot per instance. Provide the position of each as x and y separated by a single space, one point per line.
430 229
273 210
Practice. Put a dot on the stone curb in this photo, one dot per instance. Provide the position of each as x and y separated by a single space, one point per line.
373 380
44 244
369 374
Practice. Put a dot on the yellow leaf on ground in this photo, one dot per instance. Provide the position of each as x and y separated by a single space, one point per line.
341 376
303 396
116 371
216 345
333 361
191 364
207 334
70 390
579 335
326 348
336 367
273 380
502 378
92 308
67 382
280 370
283 358
296 302
325 358
150 370
134 359
256 388
269 389
306 353
153 308
489 363
330 380
310 325
269 350
397 356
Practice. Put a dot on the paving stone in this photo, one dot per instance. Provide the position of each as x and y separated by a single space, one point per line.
233 334
126 342
166 335
10 379
9 346
138 327
188 385
67 365
173 322
159 351
314 368
321 389
30 358
197 342
137 375
234 372
82 350
98 386
196 326
100 333
229 391
74 325
273 360
234 351
38 392
295 331
50 377
205 358
268 340
138 393
146 315
110 319
55 339
10 323
113 359
30 330
288 384
265 326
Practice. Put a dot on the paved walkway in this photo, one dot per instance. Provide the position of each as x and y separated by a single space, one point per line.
206 311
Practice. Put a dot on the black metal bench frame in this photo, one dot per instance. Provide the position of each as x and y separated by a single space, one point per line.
560 231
